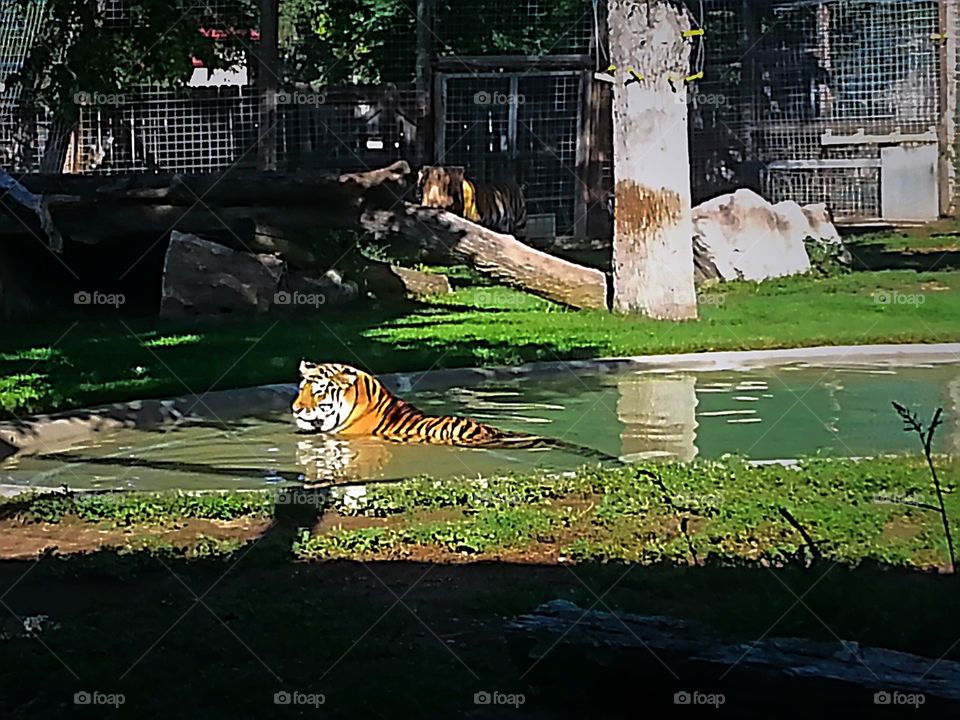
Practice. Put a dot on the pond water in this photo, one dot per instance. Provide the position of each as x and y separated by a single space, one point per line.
770 413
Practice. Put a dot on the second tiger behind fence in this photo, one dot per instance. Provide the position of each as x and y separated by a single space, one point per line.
499 206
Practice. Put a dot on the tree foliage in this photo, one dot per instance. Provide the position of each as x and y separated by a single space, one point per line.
332 42
80 49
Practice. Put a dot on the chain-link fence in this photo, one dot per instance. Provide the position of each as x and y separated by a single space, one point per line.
23 132
800 99
831 101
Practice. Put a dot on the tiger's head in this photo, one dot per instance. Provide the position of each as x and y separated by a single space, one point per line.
441 188
325 401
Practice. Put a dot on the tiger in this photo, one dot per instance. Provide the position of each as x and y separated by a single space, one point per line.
340 399
499 206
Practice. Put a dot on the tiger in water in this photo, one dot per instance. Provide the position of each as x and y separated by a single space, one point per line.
342 400
499 206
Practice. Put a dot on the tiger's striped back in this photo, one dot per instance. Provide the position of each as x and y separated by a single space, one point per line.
499 206
397 420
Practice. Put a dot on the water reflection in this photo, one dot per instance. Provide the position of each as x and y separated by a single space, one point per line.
333 460
658 415
952 409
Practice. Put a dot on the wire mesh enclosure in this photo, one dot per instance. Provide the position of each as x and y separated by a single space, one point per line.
347 128
834 101
800 98
518 126
23 132
519 120
202 129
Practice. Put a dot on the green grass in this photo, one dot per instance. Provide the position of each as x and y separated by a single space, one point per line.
724 510
731 510
292 610
80 362
129 509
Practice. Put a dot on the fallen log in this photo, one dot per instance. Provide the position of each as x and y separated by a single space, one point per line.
501 257
287 206
33 203
233 188
559 635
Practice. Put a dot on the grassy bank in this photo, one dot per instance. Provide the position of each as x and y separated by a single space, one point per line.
723 511
321 596
83 361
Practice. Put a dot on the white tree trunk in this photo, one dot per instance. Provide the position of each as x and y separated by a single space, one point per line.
652 247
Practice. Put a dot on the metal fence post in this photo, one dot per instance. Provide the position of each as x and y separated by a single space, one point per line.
267 83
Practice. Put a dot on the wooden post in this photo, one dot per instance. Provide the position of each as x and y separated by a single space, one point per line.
268 81
592 141
653 227
749 93
585 154
947 130
424 84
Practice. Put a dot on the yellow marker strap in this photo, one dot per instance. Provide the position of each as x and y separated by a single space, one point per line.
612 68
695 76
633 72
691 33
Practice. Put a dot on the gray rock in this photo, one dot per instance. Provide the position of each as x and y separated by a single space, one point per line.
204 278
741 236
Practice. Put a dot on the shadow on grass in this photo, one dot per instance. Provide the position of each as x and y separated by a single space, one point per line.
219 636
870 256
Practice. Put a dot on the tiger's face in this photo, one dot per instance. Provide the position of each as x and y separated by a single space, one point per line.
433 188
323 403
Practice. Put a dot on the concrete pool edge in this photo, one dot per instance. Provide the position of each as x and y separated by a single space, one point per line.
48 433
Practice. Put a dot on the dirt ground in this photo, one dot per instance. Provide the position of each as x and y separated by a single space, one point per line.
23 541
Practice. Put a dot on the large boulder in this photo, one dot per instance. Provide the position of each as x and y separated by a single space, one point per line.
204 278
741 236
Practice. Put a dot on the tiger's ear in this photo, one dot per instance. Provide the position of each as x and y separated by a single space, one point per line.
307 368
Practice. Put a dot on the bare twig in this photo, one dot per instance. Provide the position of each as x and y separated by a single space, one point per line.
681 512
912 424
811 543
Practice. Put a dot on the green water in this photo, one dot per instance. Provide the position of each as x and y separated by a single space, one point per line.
770 413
